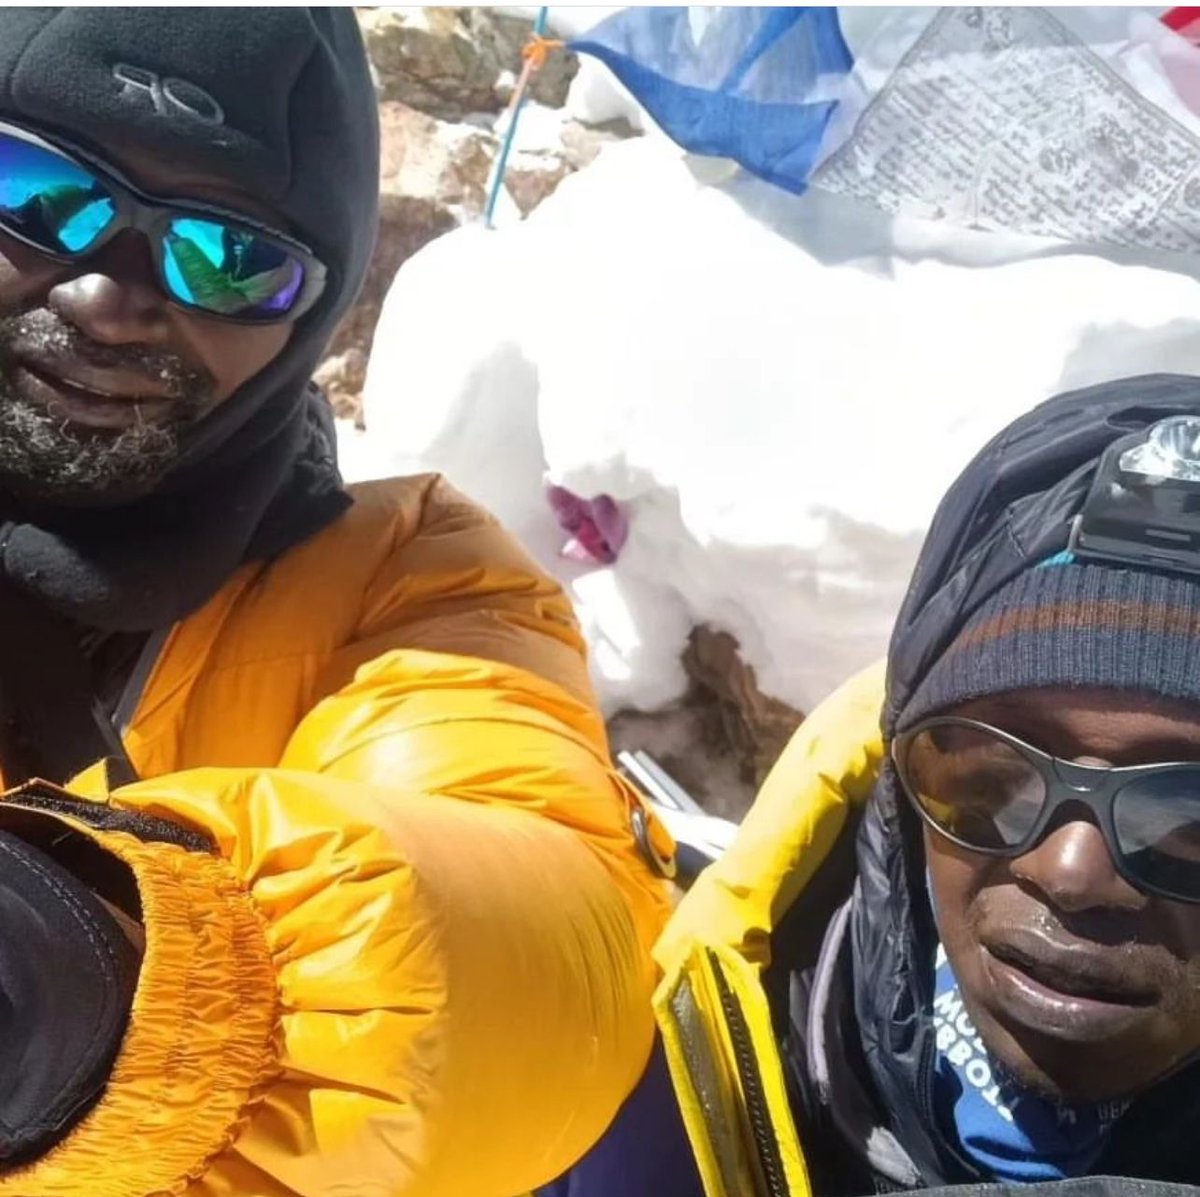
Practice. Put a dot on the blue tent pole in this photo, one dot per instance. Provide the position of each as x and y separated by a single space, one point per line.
518 101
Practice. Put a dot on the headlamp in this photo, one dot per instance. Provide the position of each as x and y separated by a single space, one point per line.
1143 508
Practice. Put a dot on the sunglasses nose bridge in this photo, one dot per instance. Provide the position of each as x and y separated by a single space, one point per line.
141 218
1082 779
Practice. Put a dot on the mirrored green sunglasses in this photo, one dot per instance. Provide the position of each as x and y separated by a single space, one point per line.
207 260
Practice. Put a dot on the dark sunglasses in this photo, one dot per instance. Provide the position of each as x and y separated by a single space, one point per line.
992 793
207 260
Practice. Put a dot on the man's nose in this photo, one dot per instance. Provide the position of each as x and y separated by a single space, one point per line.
115 299
1074 870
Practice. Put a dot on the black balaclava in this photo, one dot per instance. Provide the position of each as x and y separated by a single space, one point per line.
300 132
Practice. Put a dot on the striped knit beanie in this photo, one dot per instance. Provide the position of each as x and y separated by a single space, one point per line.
1066 623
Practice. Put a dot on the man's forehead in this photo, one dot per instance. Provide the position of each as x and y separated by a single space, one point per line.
169 177
1093 720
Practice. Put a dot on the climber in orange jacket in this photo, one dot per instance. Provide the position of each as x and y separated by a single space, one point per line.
315 877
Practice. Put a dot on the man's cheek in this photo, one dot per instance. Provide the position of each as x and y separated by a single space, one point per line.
952 879
26 276
10 282
1185 1001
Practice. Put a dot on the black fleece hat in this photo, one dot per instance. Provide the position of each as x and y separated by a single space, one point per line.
67 978
996 603
278 101
1064 623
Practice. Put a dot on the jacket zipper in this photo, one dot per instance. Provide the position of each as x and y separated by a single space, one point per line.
748 1073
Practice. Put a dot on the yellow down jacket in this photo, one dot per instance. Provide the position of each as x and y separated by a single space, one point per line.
417 961
716 1024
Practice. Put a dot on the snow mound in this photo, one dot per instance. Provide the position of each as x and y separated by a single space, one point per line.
779 389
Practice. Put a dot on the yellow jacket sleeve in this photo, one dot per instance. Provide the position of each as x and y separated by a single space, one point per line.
462 1001
458 913
483 731
473 686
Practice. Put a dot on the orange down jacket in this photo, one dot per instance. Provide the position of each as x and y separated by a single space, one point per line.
417 961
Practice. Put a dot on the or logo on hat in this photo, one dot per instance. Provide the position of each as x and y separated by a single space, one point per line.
168 95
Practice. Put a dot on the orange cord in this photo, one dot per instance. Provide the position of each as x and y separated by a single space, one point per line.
534 55
538 48
534 52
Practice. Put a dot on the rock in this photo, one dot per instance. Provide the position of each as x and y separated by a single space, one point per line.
530 178
581 143
341 377
449 62
756 726
502 38
430 161
721 740
425 57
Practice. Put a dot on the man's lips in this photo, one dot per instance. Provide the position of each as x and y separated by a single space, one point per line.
1062 992
90 395
95 377
1075 972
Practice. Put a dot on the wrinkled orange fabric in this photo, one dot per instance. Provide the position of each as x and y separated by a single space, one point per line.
418 962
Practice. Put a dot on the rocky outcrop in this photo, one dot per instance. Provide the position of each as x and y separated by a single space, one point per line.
444 77
453 62
721 740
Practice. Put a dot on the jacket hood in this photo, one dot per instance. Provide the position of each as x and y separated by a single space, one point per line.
1011 508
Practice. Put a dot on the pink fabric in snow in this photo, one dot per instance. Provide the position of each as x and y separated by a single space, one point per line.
598 527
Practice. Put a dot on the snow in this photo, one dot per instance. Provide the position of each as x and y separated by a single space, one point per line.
779 388
596 98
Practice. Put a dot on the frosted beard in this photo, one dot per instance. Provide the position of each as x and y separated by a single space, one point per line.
44 456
